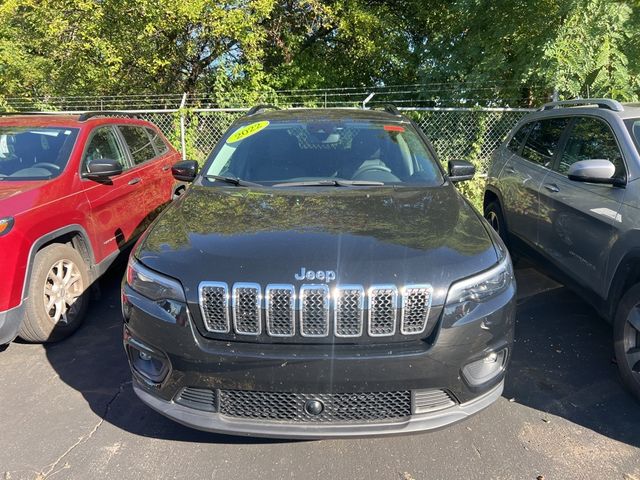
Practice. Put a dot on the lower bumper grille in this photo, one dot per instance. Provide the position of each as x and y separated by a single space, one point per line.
298 407
315 408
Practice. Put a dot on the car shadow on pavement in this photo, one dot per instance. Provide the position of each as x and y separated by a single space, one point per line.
93 362
561 365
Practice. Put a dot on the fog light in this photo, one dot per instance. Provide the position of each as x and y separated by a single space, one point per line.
485 369
144 356
149 364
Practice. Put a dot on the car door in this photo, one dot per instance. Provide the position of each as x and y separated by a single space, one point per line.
151 173
581 220
524 173
112 202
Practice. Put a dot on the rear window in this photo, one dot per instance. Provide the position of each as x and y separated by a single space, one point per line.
276 152
158 143
139 143
543 140
28 153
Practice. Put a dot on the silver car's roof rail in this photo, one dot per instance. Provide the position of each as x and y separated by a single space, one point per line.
607 103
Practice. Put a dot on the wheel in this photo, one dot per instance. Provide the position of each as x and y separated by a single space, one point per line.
493 215
58 295
626 338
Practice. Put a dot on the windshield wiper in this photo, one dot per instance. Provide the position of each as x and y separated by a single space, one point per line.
238 182
336 182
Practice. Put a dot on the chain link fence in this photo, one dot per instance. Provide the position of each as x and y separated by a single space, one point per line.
194 123
456 133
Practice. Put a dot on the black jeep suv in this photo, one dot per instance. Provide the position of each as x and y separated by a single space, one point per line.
320 277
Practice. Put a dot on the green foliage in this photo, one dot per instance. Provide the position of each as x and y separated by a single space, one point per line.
497 52
588 55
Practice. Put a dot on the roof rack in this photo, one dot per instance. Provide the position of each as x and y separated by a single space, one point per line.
387 107
258 108
607 103
82 116
8 114
102 113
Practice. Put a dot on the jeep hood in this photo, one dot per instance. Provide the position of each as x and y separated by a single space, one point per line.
382 235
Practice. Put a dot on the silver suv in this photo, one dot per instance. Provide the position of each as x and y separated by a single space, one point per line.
564 189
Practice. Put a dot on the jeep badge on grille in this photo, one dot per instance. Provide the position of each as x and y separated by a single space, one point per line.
326 276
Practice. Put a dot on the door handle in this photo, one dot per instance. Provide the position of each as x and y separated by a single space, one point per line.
166 167
133 181
552 187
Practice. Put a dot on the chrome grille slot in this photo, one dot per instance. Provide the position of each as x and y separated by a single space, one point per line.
314 310
246 308
416 304
383 300
280 310
214 306
348 310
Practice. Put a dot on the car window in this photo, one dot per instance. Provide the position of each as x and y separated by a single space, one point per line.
633 124
543 140
139 143
30 153
272 152
157 141
516 141
591 139
104 145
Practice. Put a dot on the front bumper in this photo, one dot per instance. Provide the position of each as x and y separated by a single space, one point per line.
10 321
201 363
215 422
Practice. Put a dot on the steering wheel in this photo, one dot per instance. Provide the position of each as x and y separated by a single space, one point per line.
46 165
372 168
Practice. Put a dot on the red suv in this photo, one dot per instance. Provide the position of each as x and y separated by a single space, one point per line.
74 192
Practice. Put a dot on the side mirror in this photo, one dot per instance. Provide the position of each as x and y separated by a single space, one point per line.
461 170
185 171
593 171
103 168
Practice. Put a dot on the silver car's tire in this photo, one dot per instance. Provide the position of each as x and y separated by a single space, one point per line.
626 334
57 294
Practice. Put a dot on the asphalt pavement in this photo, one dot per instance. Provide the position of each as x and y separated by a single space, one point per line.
67 411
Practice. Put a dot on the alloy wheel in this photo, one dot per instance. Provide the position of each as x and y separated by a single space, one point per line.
493 220
631 341
63 286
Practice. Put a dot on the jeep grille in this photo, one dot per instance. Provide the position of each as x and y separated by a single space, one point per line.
317 310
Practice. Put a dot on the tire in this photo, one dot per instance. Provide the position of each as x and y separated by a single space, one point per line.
59 280
493 214
626 338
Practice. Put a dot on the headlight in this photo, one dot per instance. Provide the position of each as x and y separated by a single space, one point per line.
153 285
479 288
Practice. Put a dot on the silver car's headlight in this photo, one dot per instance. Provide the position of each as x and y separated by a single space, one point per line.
479 288
153 285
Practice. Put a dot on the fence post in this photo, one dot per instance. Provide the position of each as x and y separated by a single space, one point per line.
366 100
183 133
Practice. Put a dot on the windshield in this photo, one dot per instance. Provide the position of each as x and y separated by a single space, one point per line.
272 153
34 153
634 129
